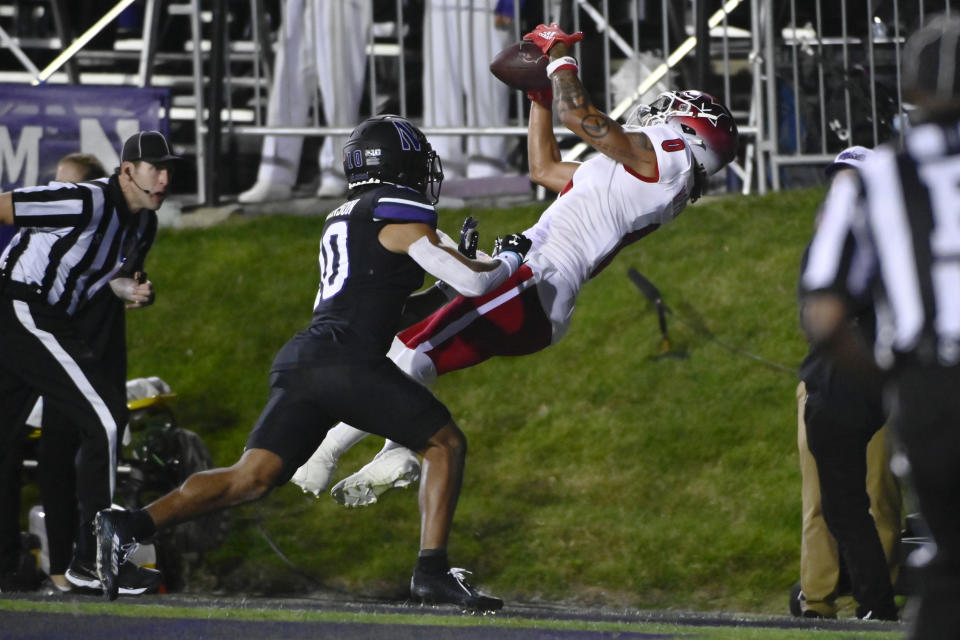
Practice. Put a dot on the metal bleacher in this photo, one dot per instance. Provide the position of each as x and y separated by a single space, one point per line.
170 48
803 79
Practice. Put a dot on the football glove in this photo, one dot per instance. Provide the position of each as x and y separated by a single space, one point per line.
515 242
546 36
469 238
544 98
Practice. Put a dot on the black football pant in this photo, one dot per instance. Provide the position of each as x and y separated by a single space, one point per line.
43 352
926 414
102 323
840 421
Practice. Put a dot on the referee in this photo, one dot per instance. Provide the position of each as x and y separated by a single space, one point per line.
77 242
892 233
846 474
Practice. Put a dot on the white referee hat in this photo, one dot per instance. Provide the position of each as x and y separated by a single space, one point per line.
851 157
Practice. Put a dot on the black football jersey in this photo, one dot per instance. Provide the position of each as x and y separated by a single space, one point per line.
363 286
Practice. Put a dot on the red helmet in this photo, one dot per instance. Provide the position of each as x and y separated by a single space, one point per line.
706 124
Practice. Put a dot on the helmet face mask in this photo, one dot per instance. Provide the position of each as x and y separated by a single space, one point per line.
434 175
390 149
706 125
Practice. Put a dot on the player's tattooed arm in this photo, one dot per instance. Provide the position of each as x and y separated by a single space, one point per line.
572 105
575 110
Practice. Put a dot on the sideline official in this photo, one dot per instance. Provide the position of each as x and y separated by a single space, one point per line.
74 241
894 235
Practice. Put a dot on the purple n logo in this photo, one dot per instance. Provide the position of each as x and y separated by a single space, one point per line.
408 135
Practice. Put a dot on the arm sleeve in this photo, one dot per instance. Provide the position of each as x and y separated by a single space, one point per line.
839 256
447 241
440 264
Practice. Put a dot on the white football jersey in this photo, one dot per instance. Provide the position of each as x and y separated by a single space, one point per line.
605 207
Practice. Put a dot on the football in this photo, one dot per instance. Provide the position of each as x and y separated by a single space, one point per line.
522 66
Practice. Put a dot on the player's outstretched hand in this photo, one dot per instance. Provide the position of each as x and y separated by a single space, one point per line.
469 238
515 243
546 36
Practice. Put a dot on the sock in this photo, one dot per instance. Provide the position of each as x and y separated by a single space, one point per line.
433 562
388 445
341 438
142 524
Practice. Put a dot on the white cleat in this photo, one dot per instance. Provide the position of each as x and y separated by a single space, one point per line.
317 473
392 469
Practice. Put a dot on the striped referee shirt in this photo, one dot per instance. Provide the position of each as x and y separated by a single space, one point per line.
73 239
894 234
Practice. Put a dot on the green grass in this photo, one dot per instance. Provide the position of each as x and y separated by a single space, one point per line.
596 473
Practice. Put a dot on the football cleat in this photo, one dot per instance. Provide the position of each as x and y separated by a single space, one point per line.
114 543
391 469
131 579
317 472
451 588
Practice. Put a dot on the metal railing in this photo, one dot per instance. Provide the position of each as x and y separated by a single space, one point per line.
829 83
804 78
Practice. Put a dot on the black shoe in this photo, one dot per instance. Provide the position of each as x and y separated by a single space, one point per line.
115 541
450 588
83 575
131 579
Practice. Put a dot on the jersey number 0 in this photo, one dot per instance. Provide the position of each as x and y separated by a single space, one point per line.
334 261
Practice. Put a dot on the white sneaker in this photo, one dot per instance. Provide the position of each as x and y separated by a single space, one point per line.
315 475
481 168
395 468
263 191
332 186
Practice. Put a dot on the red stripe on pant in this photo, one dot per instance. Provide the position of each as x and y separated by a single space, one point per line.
472 330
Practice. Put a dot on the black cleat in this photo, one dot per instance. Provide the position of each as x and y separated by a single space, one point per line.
131 579
451 588
114 543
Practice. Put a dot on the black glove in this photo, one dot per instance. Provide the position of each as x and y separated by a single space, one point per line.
469 238
515 242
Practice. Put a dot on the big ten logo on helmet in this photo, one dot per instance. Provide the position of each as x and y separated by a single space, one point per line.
409 138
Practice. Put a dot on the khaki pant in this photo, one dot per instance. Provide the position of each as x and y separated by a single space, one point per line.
819 558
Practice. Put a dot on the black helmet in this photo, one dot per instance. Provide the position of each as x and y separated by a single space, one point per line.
390 149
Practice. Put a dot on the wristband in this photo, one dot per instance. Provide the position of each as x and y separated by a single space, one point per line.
566 62
512 259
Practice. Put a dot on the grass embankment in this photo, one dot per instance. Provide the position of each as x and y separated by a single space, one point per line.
596 473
